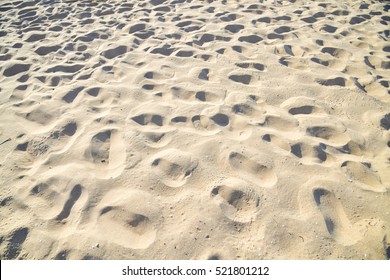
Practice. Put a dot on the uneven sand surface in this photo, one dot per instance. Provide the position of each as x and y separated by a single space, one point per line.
178 129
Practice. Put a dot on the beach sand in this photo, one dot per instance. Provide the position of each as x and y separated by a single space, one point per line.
173 129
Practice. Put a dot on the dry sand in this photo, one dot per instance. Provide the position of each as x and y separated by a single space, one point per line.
173 129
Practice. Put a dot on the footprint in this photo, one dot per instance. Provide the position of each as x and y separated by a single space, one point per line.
39 116
352 148
330 134
205 122
99 149
156 139
280 122
15 242
336 52
336 221
173 167
73 197
128 218
277 141
238 201
363 173
252 170
311 153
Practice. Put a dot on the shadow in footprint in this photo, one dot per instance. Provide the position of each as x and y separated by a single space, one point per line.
339 81
15 243
237 201
243 79
303 110
335 219
221 119
112 53
74 196
204 75
145 119
385 121
71 95
252 39
70 129
234 28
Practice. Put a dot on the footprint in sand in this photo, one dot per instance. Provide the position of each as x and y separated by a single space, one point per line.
173 167
336 221
99 149
252 170
121 222
278 141
157 139
216 121
54 141
330 134
362 172
107 151
127 218
237 200
311 153
280 122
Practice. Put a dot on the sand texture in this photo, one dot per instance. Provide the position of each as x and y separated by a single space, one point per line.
179 129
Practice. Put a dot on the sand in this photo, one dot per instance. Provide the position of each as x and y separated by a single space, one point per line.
173 129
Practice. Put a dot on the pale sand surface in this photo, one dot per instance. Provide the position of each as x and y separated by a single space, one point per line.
173 129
